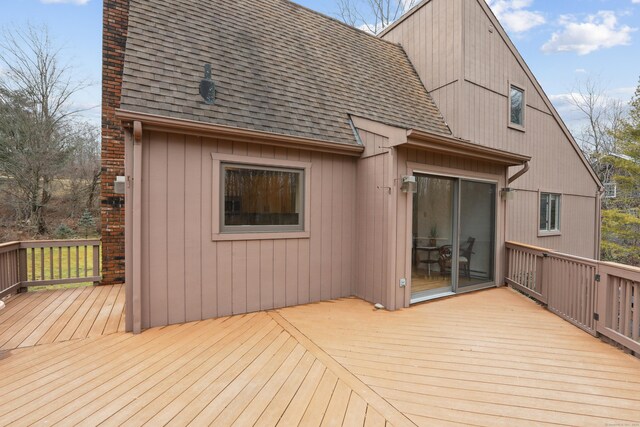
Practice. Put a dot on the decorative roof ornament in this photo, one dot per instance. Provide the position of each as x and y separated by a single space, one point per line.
207 86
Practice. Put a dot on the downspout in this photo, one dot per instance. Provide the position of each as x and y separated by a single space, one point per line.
598 222
521 172
518 174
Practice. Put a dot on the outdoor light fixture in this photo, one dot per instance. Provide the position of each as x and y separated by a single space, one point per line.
409 184
507 193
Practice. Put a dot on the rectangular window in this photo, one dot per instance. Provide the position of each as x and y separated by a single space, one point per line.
516 106
261 199
549 212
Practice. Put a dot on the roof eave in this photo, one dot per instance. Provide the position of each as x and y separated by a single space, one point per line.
153 122
444 144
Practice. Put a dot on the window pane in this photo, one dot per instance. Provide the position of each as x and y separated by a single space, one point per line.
553 213
544 209
262 197
517 106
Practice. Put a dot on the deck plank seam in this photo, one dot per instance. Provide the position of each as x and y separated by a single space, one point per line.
364 391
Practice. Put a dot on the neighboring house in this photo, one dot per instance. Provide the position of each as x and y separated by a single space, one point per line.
328 162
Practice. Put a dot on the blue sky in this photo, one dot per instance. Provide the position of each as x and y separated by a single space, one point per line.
561 40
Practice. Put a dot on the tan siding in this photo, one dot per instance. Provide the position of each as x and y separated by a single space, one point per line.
156 213
193 230
371 215
208 253
372 230
475 106
187 276
577 223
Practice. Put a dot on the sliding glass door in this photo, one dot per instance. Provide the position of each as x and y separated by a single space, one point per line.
476 258
453 236
434 205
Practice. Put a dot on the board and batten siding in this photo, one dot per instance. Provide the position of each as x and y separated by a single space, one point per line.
472 89
577 219
187 276
384 228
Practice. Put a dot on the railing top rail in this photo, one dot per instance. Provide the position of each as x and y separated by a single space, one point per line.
9 246
627 268
516 245
58 243
551 253
6 244
575 258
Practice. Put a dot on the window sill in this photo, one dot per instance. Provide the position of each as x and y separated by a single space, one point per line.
516 127
549 233
224 237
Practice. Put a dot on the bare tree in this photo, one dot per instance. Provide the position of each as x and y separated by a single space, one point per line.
83 171
604 117
35 119
373 16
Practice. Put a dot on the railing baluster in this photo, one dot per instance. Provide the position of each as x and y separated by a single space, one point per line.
626 330
86 266
42 264
60 275
77 248
96 261
51 263
68 262
635 335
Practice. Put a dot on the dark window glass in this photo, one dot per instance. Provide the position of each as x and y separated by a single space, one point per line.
549 212
544 206
517 106
268 199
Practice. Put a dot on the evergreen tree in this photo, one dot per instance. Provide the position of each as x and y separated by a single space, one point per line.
87 223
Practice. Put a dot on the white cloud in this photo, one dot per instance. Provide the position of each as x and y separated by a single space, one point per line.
599 31
581 70
78 2
635 1
514 16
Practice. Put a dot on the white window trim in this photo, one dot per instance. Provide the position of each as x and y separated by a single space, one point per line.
546 233
511 125
216 208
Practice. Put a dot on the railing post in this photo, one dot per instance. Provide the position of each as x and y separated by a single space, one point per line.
96 263
22 267
541 283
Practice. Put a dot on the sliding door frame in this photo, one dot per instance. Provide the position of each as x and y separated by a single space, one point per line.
434 171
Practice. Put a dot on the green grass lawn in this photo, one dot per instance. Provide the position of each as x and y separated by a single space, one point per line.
62 258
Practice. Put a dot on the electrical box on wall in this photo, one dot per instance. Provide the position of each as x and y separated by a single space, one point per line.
118 185
403 282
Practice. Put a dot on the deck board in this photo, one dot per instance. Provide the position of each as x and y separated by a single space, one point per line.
486 358
36 318
491 358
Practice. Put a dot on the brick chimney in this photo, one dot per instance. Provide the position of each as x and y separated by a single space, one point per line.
114 38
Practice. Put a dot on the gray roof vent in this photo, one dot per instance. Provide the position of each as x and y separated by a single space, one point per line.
207 86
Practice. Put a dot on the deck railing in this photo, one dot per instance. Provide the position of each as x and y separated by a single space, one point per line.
48 262
601 298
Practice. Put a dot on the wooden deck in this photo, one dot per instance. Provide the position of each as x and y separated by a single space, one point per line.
488 358
44 317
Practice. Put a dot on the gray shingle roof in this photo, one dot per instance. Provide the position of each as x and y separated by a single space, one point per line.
278 67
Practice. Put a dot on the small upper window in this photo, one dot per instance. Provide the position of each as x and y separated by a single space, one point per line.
261 199
549 212
516 106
